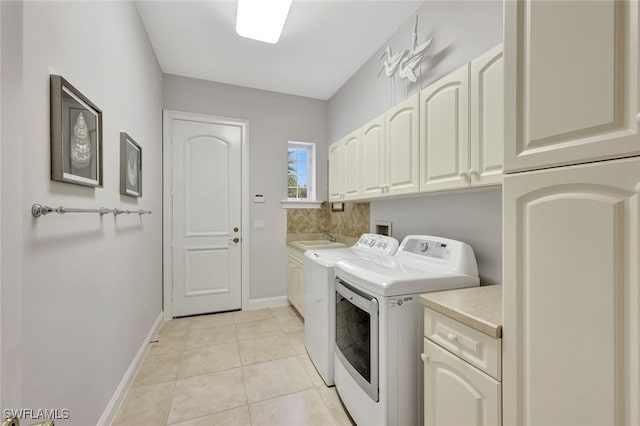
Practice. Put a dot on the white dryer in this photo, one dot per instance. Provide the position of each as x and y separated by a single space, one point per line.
319 295
379 325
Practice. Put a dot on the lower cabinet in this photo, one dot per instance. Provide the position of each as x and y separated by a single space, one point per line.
458 387
295 279
457 393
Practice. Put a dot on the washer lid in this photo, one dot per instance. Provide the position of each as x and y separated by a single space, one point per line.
329 257
367 247
390 276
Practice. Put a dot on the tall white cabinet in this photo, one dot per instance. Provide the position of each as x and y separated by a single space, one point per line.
572 82
571 336
571 295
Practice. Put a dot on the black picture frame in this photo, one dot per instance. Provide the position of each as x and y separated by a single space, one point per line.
130 166
76 135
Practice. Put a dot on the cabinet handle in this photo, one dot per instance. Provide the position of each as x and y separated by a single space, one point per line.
638 187
473 172
452 336
462 174
424 357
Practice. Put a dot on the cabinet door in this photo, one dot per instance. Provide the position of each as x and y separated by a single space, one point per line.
444 133
299 288
335 171
295 281
456 393
373 158
351 165
401 124
487 118
571 295
572 82
291 277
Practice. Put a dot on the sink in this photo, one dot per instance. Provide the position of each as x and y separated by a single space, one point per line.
313 244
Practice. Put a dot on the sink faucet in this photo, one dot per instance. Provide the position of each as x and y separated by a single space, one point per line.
332 239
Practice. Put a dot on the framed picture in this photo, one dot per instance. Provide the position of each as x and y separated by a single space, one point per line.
130 166
337 207
76 135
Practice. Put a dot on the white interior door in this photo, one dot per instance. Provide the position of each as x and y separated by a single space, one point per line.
206 240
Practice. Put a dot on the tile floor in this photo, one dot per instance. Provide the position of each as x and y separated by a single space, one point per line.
247 368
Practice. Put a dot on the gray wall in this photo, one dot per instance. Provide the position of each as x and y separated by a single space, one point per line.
472 216
463 30
274 119
11 128
87 289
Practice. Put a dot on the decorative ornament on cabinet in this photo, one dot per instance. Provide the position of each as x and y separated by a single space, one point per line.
405 61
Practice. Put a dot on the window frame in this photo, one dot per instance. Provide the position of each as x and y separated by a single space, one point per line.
310 147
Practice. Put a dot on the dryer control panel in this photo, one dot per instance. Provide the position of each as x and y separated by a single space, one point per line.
428 248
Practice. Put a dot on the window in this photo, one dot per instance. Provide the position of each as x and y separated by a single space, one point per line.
301 171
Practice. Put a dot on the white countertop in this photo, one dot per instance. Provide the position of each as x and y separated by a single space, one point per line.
478 307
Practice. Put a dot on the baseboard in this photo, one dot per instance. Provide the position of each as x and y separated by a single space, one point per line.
109 414
267 302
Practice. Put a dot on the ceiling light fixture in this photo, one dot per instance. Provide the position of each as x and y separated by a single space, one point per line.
262 19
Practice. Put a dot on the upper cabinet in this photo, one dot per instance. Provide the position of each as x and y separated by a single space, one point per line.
345 168
351 166
462 126
401 124
374 158
572 93
335 171
486 118
449 136
444 132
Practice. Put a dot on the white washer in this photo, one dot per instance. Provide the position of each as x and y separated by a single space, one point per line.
319 295
379 325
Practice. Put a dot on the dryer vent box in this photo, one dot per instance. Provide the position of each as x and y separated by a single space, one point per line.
383 227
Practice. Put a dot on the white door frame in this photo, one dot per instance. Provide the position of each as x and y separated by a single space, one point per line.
167 204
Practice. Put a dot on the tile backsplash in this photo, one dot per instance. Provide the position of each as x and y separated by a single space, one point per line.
352 222
308 221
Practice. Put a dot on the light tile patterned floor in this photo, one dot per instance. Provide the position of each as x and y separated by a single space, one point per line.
247 368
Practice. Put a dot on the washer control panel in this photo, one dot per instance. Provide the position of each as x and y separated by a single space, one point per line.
379 245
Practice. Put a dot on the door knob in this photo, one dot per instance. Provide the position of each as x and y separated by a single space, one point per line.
235 240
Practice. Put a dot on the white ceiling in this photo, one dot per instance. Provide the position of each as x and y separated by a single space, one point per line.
323 42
